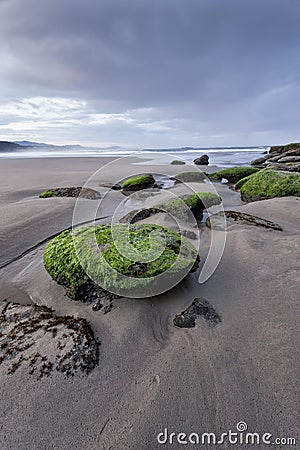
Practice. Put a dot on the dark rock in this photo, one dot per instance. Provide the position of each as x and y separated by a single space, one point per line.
286 167
97 306
113 186
108 308
274 158
199 307
293 152
287 159
116 187
218 222
276 149
137 215
258 162
202 160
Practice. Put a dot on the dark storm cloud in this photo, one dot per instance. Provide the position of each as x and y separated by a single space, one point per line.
216 65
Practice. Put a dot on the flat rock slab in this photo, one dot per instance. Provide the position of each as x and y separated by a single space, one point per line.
218 222
34 337
78 191
199 308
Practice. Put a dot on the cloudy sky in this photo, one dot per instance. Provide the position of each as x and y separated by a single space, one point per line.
150 73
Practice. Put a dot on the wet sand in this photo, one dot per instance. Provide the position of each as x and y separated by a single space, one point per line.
152 375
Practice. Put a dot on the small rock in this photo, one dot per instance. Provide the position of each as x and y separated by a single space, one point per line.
199 307
97 306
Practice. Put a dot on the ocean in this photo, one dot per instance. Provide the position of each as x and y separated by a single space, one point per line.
223 157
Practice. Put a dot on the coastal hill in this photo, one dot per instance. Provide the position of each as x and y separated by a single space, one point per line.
6 146
24 145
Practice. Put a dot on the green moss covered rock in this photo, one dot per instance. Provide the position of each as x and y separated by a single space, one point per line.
177 162
242 181
138 183
233 174
186 177
77 260
82 192
269 184
180 208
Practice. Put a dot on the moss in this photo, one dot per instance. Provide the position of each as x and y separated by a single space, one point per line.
47 194
177 162
61 259
242 181
190 176
177 207
233 174
292 146
269 184
196 203
75 192
139 182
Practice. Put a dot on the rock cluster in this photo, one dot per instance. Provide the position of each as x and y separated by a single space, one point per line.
284 157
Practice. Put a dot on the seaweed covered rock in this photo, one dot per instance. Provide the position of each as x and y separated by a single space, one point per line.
242 181
180 208
177 162
138 183
195 204
233 174
269 184
81 192
185 177
93 261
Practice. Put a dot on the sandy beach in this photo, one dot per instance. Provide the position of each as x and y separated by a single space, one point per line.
152 375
